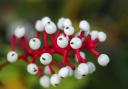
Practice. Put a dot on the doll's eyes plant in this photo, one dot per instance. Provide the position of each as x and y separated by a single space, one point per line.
65 42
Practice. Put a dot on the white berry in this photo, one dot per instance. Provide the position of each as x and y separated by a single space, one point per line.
46 58
91 67
12 56
32 69
83 69
102 36
70 71
62 41
67 22
19 32
45 81
50 28
60 23
103 60
47 70
55 80
84 26
63 72
94 35
39 26
77 74
75 43
34 43
69 30
45 20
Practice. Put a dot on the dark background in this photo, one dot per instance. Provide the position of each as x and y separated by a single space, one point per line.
110 16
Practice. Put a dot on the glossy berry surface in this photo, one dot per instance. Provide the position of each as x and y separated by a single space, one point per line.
34 43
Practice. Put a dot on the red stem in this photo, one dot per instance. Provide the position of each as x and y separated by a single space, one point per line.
40 69
24 44
34 58
65 57
13 42
95 52
86 42
56 64
38 34
80 59
54 44
45 40
81 34
71 56
51 69
24 58
71 65
58 32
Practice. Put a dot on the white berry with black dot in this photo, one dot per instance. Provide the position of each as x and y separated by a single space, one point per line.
46 58
32 69
69 30
34 43
45 20
62 41
75 43
50 28
55 80
12 56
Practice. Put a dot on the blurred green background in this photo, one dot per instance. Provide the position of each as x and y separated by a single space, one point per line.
110 16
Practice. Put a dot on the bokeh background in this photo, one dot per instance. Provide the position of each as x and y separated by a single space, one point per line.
110 16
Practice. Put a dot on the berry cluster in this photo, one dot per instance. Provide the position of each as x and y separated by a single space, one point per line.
65 42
